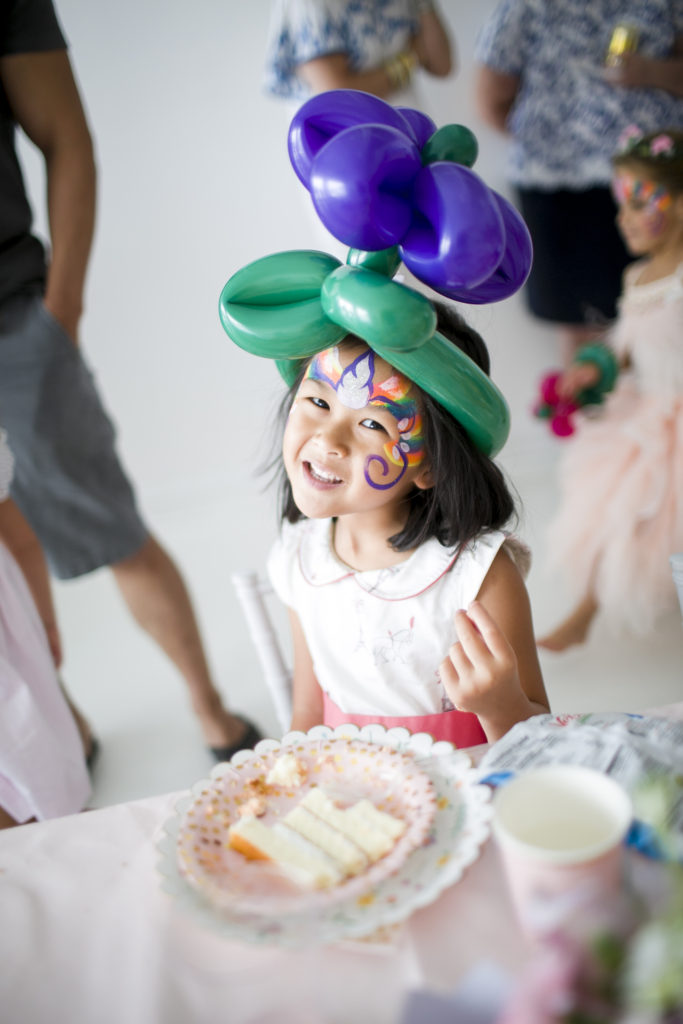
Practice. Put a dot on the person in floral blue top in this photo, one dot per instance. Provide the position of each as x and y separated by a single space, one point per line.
370 45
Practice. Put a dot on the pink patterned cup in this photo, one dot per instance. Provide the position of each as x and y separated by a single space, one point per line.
560 831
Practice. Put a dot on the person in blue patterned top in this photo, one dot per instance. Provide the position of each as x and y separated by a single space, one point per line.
373 46
370 45
542 79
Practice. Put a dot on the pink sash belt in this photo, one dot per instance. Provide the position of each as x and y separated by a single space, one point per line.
461 728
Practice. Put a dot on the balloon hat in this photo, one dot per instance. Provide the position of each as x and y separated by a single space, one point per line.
387 183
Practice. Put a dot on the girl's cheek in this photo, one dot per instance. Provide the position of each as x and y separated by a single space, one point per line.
655 223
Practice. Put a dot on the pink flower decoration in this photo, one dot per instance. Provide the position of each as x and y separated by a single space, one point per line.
630 132
662 144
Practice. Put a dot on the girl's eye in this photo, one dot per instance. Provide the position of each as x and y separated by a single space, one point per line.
320 403
373 425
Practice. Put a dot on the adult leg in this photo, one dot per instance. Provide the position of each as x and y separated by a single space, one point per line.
70 485
574 629
157 597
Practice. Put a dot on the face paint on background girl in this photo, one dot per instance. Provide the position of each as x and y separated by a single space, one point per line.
355 388
652 198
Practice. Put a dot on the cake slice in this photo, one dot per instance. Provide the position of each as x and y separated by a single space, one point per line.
335 844
365 813
287 770
296 855
317 843
373 830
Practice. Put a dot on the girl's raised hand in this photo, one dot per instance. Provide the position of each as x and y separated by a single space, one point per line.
480 673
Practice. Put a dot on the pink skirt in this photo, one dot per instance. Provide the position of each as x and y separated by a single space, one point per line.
461 728
42 768
621 513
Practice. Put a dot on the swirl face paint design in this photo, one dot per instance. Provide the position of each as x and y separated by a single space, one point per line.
356 388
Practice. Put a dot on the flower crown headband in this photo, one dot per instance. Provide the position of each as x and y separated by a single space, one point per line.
634 142
384 181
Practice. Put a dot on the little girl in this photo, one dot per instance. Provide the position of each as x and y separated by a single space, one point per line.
407 602
44 740
621 515
381 559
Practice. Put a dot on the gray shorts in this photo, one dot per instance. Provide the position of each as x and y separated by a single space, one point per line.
68 481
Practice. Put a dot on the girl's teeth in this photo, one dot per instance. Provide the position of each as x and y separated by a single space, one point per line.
323 476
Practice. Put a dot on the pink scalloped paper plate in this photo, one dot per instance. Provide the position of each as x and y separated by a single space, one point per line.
349 770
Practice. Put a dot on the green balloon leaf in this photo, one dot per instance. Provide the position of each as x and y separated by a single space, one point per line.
383 261
454 143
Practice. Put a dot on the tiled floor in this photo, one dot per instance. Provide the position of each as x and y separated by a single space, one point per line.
150 741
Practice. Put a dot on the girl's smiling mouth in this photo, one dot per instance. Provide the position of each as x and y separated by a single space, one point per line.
320 476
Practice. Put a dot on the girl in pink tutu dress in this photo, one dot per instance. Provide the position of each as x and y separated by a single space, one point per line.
43 771
621 515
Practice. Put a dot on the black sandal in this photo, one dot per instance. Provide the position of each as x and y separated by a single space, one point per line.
249 739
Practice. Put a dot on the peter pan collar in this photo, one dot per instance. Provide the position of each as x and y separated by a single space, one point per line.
320 565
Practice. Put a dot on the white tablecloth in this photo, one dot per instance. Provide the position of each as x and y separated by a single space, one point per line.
87 936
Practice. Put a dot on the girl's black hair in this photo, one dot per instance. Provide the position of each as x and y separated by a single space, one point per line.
469 493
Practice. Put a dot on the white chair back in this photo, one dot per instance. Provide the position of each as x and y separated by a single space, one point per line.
253 593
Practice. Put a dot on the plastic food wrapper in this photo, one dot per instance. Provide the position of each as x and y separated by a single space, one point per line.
630 748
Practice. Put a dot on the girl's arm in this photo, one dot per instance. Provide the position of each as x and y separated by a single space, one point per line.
595 365
307 697
576 378
24 546
493 669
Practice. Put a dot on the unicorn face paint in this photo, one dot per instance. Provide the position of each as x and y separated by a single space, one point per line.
644 211
353 440
356 388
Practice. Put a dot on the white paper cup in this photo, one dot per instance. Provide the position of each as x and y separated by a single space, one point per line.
560 830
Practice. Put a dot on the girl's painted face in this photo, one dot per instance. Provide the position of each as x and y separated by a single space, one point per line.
644 217
353 439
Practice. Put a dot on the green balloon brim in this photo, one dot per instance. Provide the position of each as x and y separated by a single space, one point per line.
290 306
